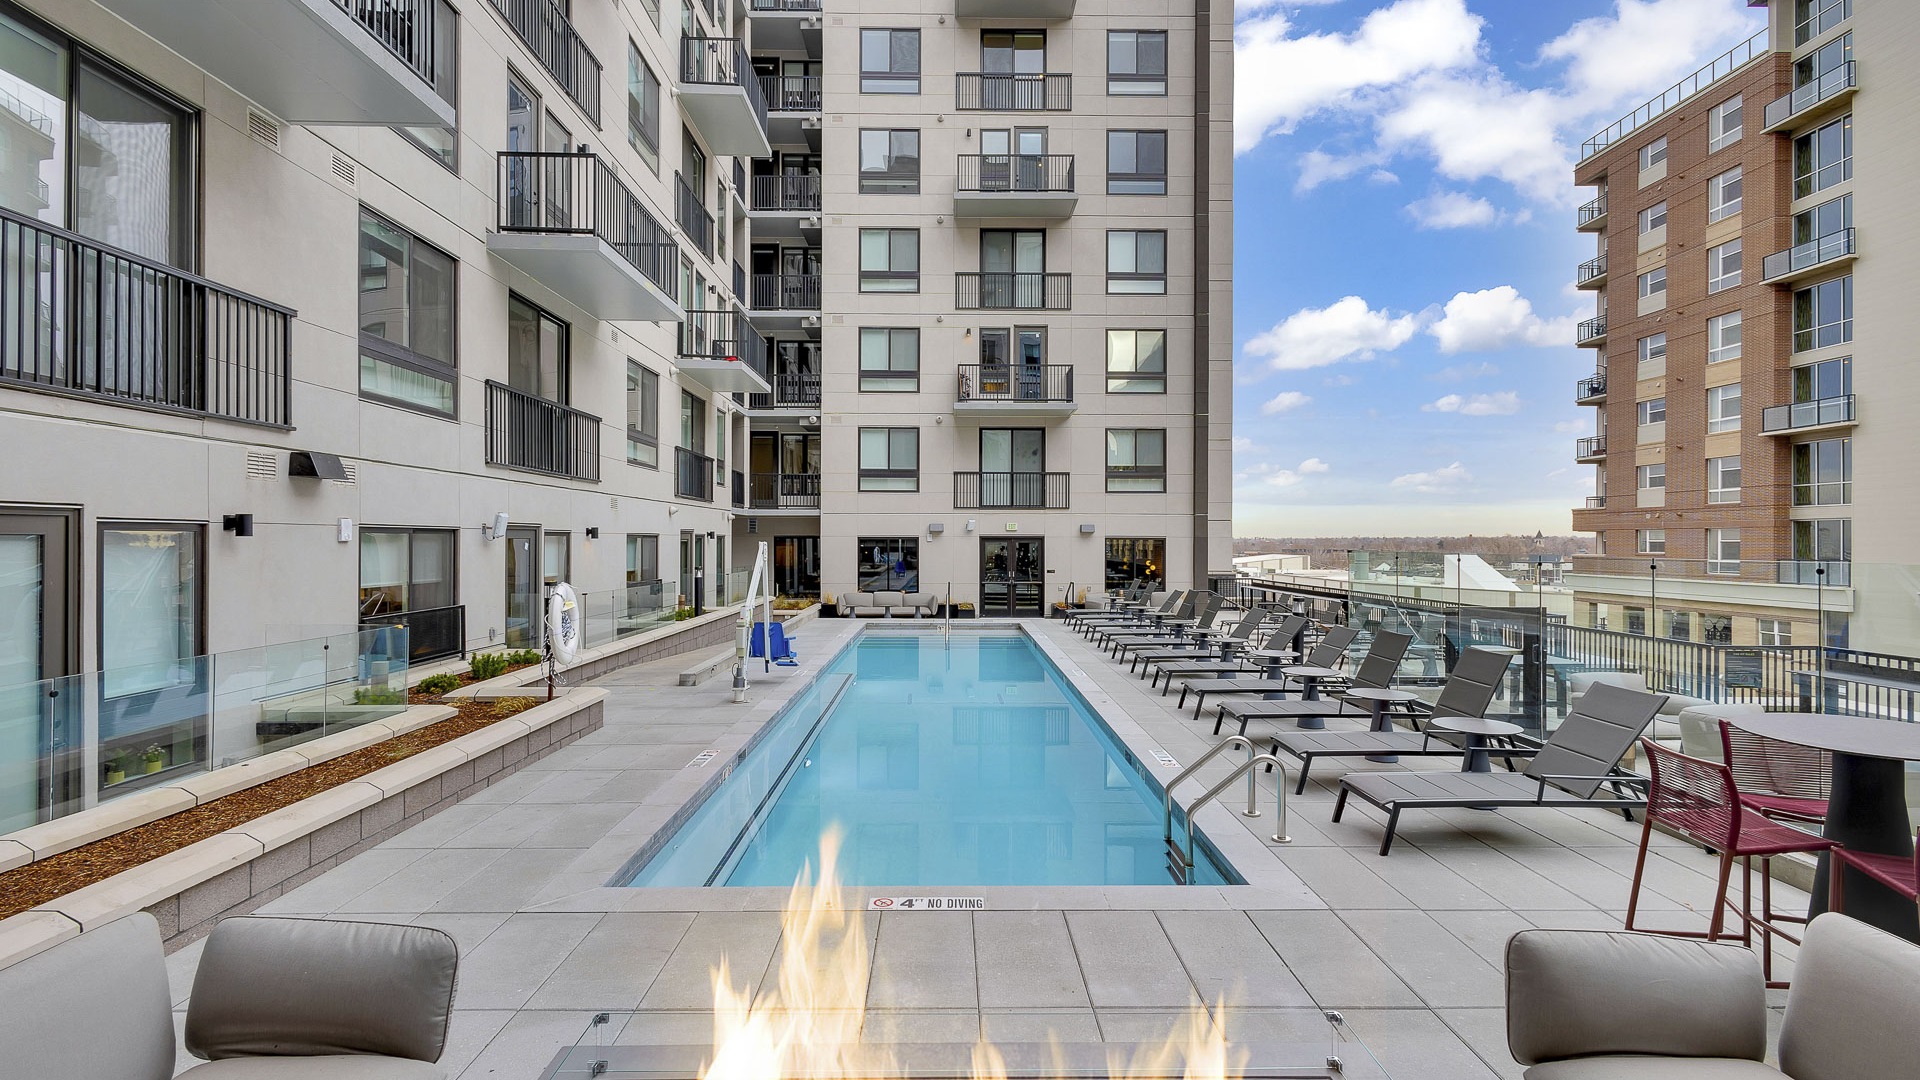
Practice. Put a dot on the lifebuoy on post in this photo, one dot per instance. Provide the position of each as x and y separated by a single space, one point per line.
563 624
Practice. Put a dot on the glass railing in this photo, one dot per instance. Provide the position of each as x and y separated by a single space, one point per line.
1806 414
77 741
1824 249
606 617
1830 85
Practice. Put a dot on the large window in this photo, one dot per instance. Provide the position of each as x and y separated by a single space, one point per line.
889 161
1654 153
1723 266
1723 479
1653 283
1823 540
1136 459
556 557
1823 158
1136 361
1831 218
1724 124
643 416
1132 561
406 570
406 318
1137 261
536 351
888 564
1653 217
1826 379
890 459
1651 477
1723 408
152 596
1652 541
889 61
643 558
643 107
1136 163
1723 551
889 260
1652 349
1775 632
889 359
1723 195
1652 411
1811 18
1823 473
1723 337
1137 62
1823 314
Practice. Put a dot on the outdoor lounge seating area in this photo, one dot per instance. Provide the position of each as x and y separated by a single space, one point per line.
889 605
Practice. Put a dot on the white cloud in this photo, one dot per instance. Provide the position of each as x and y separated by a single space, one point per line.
1480 126
1503 403
1643 45
1463 372
1242 444
1345 330
1285 401
1290 477
1319 167
1440 481
1496 318
1568 427
1452 210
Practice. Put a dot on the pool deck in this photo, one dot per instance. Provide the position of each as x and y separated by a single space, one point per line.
1407 947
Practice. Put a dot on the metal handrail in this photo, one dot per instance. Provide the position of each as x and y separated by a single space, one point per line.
1253 758
1733 60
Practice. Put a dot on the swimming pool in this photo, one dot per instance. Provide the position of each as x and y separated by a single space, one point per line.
945 759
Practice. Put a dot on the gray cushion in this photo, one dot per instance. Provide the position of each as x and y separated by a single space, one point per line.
1855 1007
329 1067
279 986
1579 993
1637 1067
93 1006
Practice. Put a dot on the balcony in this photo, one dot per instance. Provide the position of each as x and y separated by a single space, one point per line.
784 300
1596 502
1813 101
533 434
1591 333
1011 490
1591 274
1031 186
1052 10
793 108
1804 416
786 207
721 351
1803 260
1591 390
692 475
787 26
1002 390
1592 216
1012 292
543 28
977 91
116 327
791 390
691 213
783 491
721 94
1591 449
1832 572
569 222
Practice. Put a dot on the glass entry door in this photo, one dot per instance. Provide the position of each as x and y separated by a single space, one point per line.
1012 577
523 588
796 565
39 766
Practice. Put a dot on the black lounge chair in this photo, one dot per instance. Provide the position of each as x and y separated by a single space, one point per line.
1185 666
1135 597
1215 644
1165 630
1085 621
1375 672
1330 652
1150 621
1192 637
1579 760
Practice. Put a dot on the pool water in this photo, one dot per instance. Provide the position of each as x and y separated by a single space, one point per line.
961 759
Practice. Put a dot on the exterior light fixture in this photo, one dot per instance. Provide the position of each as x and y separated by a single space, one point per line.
238 524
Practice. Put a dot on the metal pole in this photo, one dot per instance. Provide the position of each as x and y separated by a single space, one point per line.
1820 635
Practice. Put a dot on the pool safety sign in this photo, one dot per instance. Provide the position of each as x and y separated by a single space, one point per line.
927 903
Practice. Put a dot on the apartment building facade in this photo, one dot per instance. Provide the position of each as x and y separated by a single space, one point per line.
1731 388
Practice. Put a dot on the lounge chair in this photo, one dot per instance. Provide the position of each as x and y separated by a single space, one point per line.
1183 607
1581 757
1376 672
1134 596
1468 692
1212 643
1200 610
1174 635
1330 652
1085 621
1187 667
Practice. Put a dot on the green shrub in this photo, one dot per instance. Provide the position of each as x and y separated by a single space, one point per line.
368 695
682 614
523 657
483 666
439 684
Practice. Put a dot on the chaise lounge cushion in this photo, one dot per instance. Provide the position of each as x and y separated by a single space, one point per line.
1855 1006
92 1006
921 603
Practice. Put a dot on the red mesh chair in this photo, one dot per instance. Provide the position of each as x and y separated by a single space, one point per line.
1896 872
1698 799
1779 779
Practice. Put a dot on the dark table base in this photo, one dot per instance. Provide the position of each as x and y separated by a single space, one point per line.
1868 812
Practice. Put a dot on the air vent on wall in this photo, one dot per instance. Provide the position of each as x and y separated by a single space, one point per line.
343 168
263 465
263 129
753 525
353 473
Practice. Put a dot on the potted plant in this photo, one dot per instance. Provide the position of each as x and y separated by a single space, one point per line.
963 611
154 758
828 609
117 766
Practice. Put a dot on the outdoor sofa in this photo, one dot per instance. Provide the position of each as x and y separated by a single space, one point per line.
888 605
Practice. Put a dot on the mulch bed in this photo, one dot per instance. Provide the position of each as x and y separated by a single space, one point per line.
38 882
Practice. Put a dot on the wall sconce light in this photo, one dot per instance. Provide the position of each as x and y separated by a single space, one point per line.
969 524
936 528
497 529
238 524
344 532
709 535
1087 529
593 532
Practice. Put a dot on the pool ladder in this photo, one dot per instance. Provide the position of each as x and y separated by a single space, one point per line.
1180 861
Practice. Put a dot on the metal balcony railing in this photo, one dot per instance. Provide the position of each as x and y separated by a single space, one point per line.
791 93
786 193
1016 382
1837 572
1721 67
975 91
692 475
786 292
1591 446
432 633
721 335
739 490
1590 212
1823 249
545 30
1596 502
1591 387
1011 490
403 27
1591 270
1012 292
791 390
691 212
1036 173
1593 329
80 317
784 491
579 193
537 435
714 61
786 5
1806 414
1838 81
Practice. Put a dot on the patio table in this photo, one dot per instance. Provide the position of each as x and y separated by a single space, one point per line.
1867 808
1310 677
1377 702
1478 732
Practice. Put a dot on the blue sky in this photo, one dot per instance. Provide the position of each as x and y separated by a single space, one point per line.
1404 250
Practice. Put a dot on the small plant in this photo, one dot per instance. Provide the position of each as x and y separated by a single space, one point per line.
154 758
117 765
523 657
374 695
792 603
682 614
964 606
439 684
484 666
506 707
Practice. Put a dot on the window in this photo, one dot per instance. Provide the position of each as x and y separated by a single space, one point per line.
1723 266
1136 562
1653 282
1824 540
1723 479
1650 477
1826 379
643 107
1830 219
889 260
1136 163
1775 632
1723 408
1823 158
151 595
1828 58
889 359
1723 551
1636 620
1723 337
643 416
1136 361
406 319
441 143
1680 625
1137 62
643 559
889 61
1653 541
889 161
1723 125
1654 153
1652 348
1811 18
1823 314
1653 217
889 564
1136 459
1653 411
1137 261
889 459
1716 629
536 351
556 557
1723 195
406 570
1823 473
652 8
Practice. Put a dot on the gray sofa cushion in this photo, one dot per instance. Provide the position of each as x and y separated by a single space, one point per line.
314 987
330 1067
1855 1007
93 1006
1638 1067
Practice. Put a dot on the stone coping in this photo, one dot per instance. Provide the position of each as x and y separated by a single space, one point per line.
516 683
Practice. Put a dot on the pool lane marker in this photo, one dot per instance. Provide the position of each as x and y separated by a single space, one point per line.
700 760
927 903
